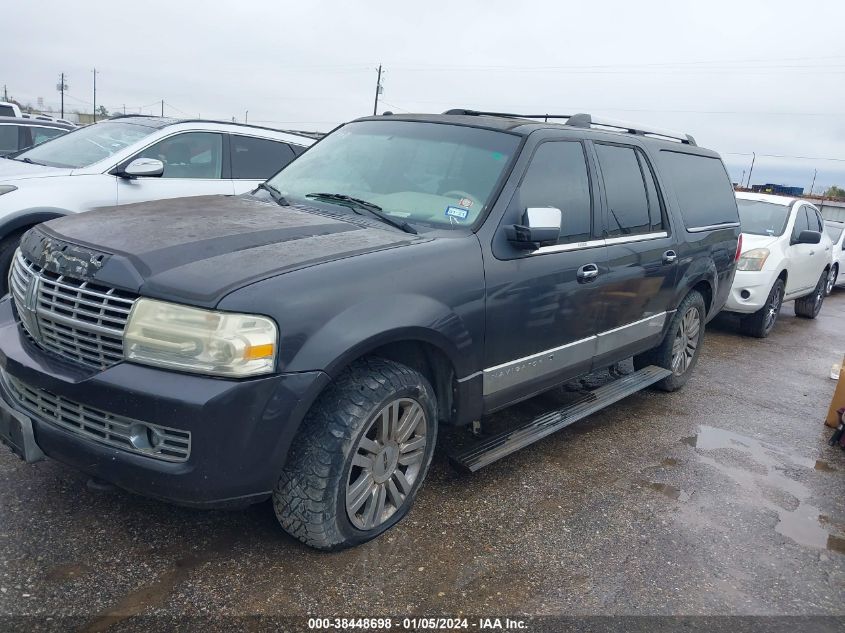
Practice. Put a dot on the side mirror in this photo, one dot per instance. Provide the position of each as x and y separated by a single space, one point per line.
808 237
143 167
540 227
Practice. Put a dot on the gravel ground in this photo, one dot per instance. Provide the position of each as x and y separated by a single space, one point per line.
721 499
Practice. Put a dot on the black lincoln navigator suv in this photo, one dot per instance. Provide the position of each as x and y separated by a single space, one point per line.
304 342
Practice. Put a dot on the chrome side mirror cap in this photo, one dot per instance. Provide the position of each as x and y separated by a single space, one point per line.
540 227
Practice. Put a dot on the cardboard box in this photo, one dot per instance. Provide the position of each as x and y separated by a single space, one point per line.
838 401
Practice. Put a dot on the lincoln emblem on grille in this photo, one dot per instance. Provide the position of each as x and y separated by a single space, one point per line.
30 304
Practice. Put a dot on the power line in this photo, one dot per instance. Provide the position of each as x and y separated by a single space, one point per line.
836 160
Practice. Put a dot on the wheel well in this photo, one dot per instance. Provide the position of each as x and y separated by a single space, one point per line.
783 275
432 363
706 292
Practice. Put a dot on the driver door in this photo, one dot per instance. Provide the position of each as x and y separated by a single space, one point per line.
802 270
193 166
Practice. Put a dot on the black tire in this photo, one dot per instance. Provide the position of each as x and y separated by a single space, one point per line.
809 307
664 354
761 323
831 279
324 464
7 250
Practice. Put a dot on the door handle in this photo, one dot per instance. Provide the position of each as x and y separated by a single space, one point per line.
587 273
670 257
812 252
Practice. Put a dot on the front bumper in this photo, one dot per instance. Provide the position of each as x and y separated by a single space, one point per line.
756 284
240 429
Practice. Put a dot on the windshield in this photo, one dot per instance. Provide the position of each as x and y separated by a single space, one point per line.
421 172
762 218
87 145
834 232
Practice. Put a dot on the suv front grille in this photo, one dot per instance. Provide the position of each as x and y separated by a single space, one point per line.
158 442
76 319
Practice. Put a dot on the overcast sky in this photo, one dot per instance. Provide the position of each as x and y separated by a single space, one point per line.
747 76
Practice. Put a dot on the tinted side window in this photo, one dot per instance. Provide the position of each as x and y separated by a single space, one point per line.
557 177
258 158
627 202
702 187
6 110
189 155
41 134
801 222
8 138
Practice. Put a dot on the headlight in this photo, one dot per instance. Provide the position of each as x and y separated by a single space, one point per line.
202 341
7 189
753 259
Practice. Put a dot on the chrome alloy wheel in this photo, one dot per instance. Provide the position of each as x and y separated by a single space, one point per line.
831 280
774 309
386 463
686 342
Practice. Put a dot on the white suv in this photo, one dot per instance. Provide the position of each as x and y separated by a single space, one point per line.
785 256
836 233
134 159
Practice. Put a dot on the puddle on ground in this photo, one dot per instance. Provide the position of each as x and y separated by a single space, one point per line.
666 490
759 467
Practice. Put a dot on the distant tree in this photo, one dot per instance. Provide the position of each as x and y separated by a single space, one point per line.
102 112
835 192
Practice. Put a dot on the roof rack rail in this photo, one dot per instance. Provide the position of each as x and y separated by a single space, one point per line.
583 120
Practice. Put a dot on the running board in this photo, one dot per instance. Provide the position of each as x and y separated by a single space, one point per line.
496 447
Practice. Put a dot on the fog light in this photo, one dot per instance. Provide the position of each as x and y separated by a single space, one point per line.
145 438
744 294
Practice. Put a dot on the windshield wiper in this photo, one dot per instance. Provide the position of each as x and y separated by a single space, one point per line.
25 160
357 203
277 196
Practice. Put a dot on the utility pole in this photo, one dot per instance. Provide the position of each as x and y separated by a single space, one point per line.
815 171
5 93
162 107
379 90
62 87
246 117
95 95
753 158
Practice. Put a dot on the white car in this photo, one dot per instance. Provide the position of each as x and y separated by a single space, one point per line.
836 233
785 255
8 108
134 159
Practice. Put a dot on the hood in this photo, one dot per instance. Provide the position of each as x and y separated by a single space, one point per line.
11 170
197 250
749 241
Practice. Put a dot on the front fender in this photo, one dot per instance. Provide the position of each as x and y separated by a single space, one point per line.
29 217
370 324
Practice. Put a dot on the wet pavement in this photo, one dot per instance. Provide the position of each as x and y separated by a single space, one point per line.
723 498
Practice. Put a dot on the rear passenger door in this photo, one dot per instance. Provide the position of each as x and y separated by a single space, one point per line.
542 310
255 159
642 259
